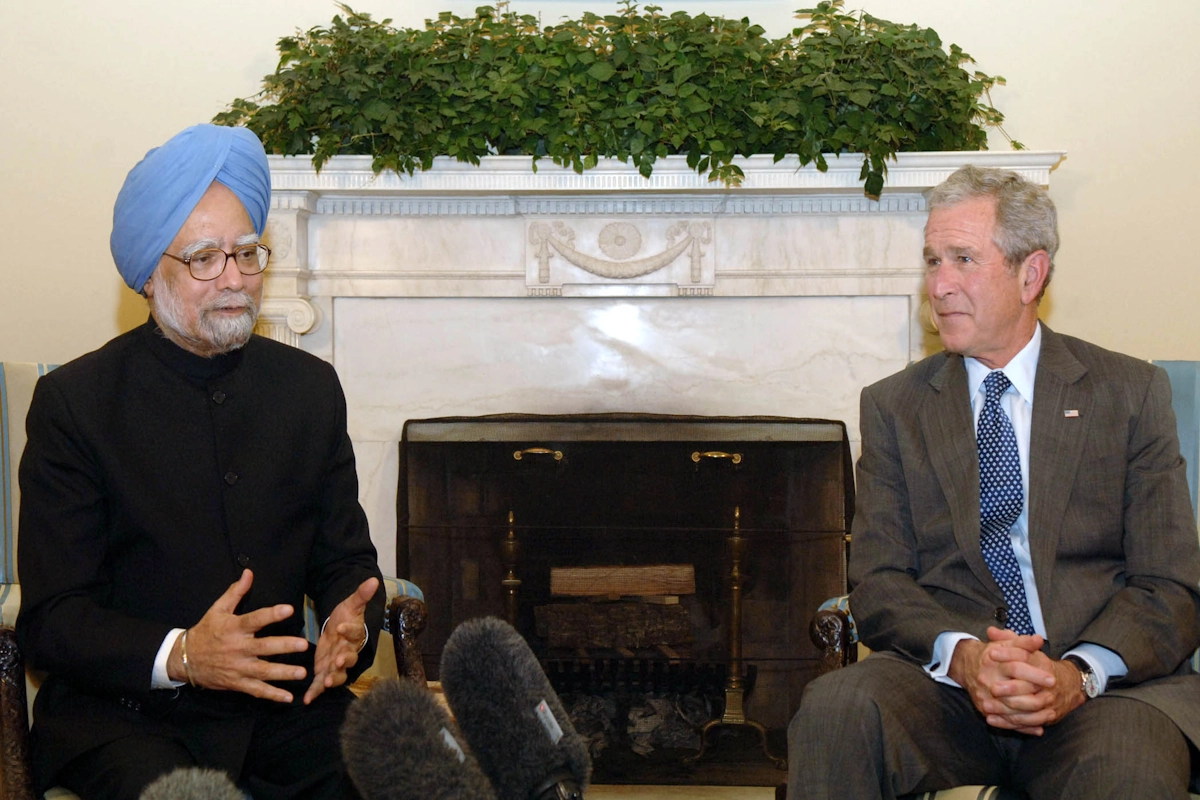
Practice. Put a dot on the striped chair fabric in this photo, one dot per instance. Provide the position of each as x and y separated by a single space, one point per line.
16 390
969 793
1185 401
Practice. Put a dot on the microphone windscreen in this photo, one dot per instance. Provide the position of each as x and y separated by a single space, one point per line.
398 744
508 712
192 783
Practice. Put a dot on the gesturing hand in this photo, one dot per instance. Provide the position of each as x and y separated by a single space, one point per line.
341 639
224 653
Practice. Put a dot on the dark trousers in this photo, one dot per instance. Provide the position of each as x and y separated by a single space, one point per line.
883 728
294 752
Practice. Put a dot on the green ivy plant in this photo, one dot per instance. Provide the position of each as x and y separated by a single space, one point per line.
633 85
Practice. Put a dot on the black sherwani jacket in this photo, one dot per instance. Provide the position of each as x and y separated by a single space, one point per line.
151 478
1113 541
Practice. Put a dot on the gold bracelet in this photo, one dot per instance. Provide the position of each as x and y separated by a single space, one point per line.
365 639
187 668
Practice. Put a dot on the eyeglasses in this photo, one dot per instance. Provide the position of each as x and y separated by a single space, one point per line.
209 263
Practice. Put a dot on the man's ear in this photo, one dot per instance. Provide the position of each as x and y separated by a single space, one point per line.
148 288
1034 271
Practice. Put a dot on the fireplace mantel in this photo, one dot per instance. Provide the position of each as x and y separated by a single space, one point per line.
506 229
515 175
467 290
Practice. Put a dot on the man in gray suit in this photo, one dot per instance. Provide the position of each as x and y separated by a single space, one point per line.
1025 565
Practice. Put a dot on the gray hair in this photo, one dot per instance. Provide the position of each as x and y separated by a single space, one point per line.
1026 220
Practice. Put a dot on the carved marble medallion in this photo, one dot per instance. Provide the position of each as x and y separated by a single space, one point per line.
613 254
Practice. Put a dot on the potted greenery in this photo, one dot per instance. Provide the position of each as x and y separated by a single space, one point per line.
634 85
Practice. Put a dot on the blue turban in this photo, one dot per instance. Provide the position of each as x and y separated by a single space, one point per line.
162 190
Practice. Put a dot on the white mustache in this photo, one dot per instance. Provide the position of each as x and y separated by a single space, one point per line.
233 300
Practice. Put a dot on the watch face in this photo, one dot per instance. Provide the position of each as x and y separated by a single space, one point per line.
1091 684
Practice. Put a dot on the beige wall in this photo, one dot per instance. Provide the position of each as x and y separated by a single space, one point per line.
88 87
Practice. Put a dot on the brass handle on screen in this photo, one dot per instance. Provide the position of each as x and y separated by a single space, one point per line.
736 458
540 451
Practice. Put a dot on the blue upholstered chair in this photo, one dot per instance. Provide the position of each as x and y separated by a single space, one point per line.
406 613
832 628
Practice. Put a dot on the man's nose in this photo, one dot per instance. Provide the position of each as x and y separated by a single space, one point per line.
939 281
230 277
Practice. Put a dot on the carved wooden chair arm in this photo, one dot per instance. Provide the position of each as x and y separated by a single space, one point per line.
16 779
830 631
406 618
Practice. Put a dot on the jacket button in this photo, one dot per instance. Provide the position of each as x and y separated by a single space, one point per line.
218 397
243 560
231 477
1001 616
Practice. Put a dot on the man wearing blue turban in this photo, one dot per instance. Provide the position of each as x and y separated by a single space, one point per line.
183 489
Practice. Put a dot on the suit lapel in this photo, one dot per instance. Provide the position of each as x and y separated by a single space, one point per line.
1055 451
947 425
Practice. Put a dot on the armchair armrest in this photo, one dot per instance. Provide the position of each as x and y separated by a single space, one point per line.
16 780
832 631
406 618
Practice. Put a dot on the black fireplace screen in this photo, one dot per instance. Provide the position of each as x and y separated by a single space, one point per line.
493 510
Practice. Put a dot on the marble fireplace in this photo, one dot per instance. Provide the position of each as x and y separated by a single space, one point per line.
469 290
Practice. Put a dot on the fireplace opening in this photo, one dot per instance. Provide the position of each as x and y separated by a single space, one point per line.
663 568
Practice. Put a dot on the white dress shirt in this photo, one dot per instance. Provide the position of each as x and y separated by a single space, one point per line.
158 675
1017 402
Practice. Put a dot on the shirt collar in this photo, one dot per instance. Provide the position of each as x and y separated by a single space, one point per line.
1021 371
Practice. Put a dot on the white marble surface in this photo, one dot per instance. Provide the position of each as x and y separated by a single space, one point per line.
824 244
378 466
404 358
741 249
411 358
365 253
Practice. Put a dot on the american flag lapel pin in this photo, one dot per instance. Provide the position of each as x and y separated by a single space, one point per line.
1071 413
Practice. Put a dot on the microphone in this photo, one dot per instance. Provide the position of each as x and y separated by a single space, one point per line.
192 783
511 717
397 745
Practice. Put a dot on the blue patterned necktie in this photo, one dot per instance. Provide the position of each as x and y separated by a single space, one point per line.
1001 498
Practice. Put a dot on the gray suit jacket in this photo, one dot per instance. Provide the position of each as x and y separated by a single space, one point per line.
1113 540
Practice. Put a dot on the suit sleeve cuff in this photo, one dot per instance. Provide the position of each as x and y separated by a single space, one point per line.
943 651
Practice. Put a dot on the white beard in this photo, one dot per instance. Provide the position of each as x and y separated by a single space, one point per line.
199 330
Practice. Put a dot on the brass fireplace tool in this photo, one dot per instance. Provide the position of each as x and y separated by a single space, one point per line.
735 684
510 549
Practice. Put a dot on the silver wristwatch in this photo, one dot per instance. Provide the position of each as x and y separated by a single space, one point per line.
1090 683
